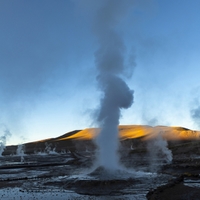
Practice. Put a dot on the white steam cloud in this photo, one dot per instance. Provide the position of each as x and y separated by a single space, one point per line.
159 153
3 138
109 60
20 151
195 113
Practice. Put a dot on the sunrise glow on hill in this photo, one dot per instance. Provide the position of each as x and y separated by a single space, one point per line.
141 131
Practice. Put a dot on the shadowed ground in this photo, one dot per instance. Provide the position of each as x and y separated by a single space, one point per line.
65 166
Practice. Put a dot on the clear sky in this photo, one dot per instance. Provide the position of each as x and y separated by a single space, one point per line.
48 76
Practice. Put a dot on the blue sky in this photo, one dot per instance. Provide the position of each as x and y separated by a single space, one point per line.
48 76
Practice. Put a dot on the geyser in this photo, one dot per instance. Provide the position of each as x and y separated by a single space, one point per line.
20 151
3 139
109 60
117 95
159 152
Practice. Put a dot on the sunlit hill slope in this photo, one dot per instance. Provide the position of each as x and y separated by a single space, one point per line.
83 138
139 131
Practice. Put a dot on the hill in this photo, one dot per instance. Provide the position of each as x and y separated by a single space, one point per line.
82 139
138 131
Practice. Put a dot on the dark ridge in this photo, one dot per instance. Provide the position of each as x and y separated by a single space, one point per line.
67 134
36 146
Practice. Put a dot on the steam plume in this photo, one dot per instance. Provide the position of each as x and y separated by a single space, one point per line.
109 59
20 151
159 152
3 140
195 114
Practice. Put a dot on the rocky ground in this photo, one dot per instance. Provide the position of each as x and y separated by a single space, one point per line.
67 170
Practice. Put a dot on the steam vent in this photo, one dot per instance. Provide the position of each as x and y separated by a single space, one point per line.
99 100
144 164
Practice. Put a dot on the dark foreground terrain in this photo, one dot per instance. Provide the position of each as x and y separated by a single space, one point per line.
67 169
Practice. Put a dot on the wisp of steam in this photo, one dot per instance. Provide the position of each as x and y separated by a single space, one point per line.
3 140
109 60
158 152
20 151
195 114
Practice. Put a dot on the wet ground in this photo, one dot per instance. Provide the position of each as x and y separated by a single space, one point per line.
73 175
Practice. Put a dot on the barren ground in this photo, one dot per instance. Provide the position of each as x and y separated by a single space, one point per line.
69 172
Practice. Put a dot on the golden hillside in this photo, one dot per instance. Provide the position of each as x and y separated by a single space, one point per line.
139 131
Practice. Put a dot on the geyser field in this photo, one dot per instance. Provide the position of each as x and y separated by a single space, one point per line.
67 167
53 55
